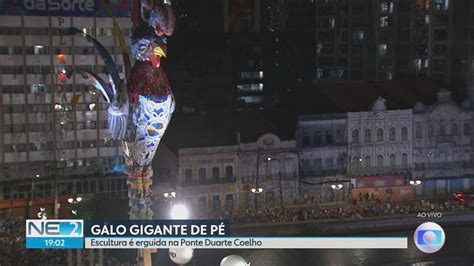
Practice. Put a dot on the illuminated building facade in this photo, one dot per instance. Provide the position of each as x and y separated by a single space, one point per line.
54 127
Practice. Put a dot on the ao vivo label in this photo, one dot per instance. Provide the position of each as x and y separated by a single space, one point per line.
54 233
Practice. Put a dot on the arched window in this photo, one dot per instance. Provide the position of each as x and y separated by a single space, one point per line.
404 161
392 134
467 129
355 136
404 133
317 138
188 175
305 140
367 163
202 175
418 132
229 171
368 136
393 161
355 164
442 129
328 138
380 162
329 163
379 135
454 129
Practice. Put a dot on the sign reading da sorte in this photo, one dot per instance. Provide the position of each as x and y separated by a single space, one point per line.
65 7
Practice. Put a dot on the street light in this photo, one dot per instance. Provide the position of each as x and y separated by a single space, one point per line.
179 212
414 182
74 200
42 214
168 195
256 190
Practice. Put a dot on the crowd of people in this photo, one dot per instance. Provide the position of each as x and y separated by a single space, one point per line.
313 212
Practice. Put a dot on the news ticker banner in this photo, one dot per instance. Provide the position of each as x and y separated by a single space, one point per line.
195 234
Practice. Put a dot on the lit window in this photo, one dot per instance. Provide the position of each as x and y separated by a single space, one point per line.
359 35
38 49
332 23
385 21
319 48
382 49
421 64
38 88
319 73
440 5
250 87
386 7
250 99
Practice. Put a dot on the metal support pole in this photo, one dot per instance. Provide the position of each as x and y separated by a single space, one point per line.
256 178
281 191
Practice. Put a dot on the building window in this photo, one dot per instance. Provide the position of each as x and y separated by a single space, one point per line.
418 132
340 162
404 161
328 138
367 163
355 136
355 164
229 201
317 138
392 134
215 173
454 130
305 140
305 164
368 135
188 176
467 130
386 7
385 21
359 35
421 64
393 161
442 129
254 87
430 131
404 134
229 171
250 99
379 135
318 164
383 49
440 5
216 202
202 204
202 176
329 164
380 163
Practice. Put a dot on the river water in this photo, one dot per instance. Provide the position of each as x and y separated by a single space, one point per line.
458 250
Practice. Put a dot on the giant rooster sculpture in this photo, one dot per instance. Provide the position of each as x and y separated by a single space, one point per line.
142 103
